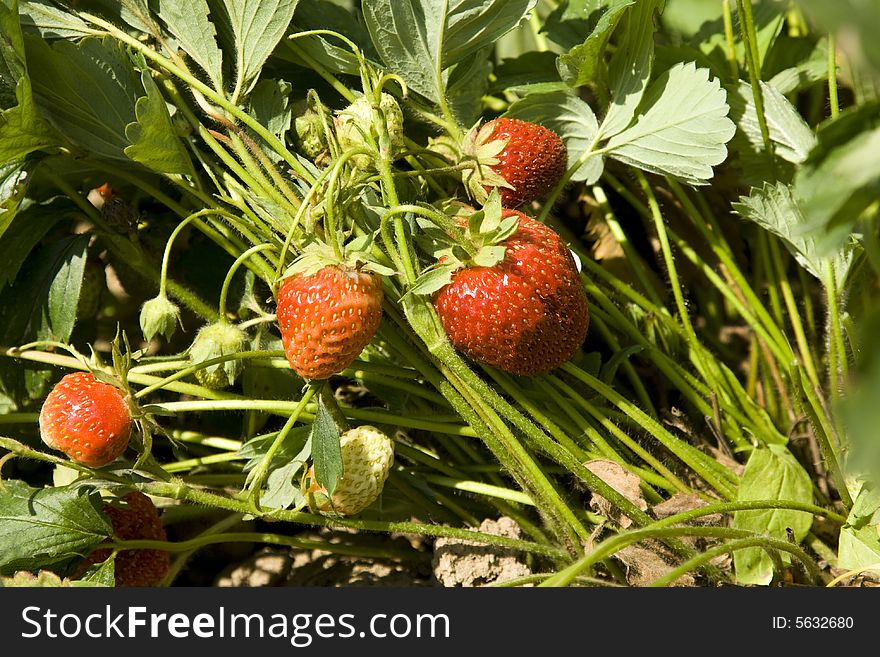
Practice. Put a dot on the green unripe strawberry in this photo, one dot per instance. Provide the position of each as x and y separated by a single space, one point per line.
367 456
360 123
310 138
213 341
159 316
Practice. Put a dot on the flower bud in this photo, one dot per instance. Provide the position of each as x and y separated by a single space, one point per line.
213 341
359 119
159 316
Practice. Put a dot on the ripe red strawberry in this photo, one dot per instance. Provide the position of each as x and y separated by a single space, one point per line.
533 161
138 518
526 314
86 419
327 318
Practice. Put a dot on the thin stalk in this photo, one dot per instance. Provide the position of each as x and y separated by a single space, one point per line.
670 442
616 543
227 282
258 474
675 284
753 61
824 432
794 315
730 47
609 426
832 75
632 257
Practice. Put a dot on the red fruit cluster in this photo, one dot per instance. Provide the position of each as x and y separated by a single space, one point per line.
138 518
86 419
533 162
327 318
525 315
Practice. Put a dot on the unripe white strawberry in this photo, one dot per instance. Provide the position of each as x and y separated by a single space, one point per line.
367 456
360 119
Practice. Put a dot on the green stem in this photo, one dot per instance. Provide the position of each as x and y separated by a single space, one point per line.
750 43
616 543
825 432
227 282
688 455
794 315
832 75
259 474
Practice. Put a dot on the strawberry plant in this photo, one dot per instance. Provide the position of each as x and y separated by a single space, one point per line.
290 273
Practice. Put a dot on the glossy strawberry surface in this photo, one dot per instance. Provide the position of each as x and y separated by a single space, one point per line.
86 419
327 318
533 162
526 315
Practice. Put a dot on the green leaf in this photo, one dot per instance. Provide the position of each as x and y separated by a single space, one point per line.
25 232
774 208
468 83
682 129
572 19
51 22
771 473
859 20
87 91
584 63
326 451
65 288
570 118
434 279
43 526
12 63
22 130
791 136
419 39
330 51
257 27
36 307
102 574
859 542
135 13
281 491
841 177
489 256
270 105
154 142
794 64
190 23
471 25
14 179
295 442
630 67
768 16
528 70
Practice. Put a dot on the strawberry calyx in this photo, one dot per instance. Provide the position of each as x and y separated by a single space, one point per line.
478 148
356 255
475 239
